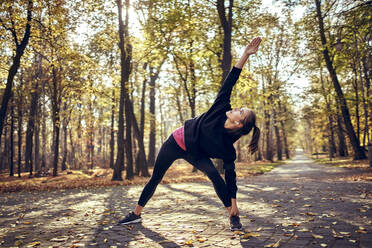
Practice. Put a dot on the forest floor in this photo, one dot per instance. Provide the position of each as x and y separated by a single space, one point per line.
360 169
300 204
179 172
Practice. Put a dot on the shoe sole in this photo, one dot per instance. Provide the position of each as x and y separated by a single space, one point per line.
131 222
236 229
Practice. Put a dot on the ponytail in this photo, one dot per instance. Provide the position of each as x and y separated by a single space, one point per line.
253 146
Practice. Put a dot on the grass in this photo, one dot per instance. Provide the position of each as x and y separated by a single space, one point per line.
343 162
361 171
180 171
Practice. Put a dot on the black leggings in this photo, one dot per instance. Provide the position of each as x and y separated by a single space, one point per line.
169 152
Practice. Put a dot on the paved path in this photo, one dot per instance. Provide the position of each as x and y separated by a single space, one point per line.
299 204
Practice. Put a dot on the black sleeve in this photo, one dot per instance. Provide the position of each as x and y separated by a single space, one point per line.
230 178
224 94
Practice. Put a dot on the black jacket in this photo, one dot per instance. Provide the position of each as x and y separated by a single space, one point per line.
206 135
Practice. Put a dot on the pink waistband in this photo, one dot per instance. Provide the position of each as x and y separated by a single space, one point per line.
179 136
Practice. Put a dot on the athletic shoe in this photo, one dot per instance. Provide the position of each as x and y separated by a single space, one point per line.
235 223
131 218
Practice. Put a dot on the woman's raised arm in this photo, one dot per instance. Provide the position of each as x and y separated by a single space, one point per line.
249 50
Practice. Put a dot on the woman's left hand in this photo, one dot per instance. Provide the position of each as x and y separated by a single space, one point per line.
234 210
253 46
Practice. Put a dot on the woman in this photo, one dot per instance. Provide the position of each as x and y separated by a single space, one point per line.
211 135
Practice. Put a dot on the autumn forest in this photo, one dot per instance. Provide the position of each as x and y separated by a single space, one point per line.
101 84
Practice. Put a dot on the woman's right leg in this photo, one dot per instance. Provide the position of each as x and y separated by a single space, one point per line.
169 152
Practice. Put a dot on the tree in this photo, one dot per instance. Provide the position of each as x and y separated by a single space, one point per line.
125 58
20 46
358 150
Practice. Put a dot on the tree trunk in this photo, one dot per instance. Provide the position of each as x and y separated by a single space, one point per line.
239 157
179 106
56 120
37 138
43 133
31 126
79 131
112 135
368 84
140 160
142 163
5 157
20 48
225 63
331 141
72 157
20 119
355 85
284 134
342 148
358 150
11 159
64 127
367 76
279 148
125 58
269 152
365 107
152 135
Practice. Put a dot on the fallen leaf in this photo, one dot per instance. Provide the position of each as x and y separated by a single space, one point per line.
334 223
363 196
201 240
307 205
59 239
250 234
33 244
323 245
105 240
128 227
189 242
361 231
347 234
275 245
27 222
352 241
259 229
317 236
337 235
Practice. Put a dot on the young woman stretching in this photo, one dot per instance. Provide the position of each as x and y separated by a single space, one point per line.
211 135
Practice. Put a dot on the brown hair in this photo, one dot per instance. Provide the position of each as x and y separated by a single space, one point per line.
249 122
